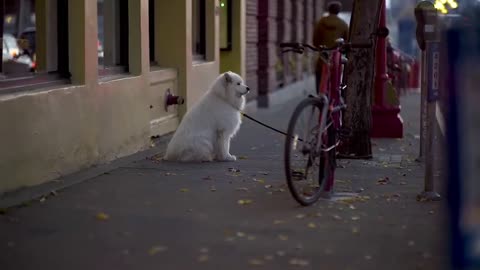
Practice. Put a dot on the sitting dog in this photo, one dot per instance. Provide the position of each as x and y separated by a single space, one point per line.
206 130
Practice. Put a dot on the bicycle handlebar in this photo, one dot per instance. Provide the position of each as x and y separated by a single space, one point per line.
299 47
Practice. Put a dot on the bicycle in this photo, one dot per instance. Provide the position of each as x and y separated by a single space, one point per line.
317 142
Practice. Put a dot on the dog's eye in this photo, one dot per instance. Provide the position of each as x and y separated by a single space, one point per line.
238 83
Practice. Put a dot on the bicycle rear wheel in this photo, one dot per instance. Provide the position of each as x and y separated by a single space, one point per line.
306 165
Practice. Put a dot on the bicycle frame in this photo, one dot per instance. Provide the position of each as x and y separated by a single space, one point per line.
330 84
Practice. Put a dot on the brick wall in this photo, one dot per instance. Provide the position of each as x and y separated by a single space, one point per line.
270 22
251 60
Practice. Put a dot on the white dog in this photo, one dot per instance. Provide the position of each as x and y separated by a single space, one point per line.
206 130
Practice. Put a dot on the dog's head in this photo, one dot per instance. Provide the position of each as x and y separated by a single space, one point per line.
234 85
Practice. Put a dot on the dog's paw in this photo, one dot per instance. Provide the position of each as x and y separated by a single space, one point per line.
229 158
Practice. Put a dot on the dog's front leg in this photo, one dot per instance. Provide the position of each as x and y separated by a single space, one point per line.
223 148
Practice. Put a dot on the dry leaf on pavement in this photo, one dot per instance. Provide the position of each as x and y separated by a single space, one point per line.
203 258
298 262
157 249
244 201
102 216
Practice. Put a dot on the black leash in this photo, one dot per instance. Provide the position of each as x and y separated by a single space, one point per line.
265 125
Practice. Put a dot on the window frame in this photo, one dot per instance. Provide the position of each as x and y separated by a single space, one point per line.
40 79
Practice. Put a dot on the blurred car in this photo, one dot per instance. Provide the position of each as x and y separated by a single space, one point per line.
15 59
10 47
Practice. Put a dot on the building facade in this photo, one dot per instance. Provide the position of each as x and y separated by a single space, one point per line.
84 82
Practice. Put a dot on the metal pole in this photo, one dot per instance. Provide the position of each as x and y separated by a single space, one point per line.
423 106
428 107
381 76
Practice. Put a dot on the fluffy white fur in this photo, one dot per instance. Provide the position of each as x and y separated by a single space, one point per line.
206 130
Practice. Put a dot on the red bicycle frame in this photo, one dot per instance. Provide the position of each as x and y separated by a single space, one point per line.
330 84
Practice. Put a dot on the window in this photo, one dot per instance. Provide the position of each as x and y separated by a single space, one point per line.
198 30
151 30
112 36
23 63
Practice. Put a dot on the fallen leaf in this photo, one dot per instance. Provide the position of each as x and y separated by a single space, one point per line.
298 262
242 189
300 216
268 186
283 237
351 206
240 234
230 239
251 237
203 258
383 181
204 250
242 157
102 216
277 221
368 257
184 190
281 253
318 214
255 262
157 249
431 212
244 202
213 189
337 217
261 181
311 225
355 218
355 230
268 257
233 170
170 174
43 199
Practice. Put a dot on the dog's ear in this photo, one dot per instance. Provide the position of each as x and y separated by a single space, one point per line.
228 77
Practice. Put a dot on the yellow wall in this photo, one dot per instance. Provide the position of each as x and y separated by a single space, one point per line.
234 60
48 133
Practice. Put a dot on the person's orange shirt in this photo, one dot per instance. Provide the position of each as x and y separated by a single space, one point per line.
329 29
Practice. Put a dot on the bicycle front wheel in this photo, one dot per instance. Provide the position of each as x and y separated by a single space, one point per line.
305 162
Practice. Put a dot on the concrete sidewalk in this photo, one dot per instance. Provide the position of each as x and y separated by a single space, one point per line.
149 214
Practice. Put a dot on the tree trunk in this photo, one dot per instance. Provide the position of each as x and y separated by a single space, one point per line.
359 76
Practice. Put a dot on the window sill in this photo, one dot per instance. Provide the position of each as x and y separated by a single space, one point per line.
108 74
32 83
160 74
